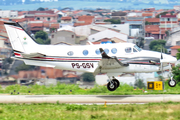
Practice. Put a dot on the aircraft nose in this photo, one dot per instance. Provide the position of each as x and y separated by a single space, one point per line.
172 59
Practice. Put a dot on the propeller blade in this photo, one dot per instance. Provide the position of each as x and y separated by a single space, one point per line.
161 53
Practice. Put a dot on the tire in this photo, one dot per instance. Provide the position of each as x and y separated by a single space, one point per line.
117 82
111 87
172 83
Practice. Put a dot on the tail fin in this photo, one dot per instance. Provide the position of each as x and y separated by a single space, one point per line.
20 40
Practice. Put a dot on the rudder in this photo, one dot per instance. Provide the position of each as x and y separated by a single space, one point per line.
19 38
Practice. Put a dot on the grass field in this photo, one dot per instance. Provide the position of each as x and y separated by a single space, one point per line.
65 89
45 111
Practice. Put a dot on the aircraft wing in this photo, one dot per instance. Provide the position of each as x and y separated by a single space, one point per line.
108 62
32 55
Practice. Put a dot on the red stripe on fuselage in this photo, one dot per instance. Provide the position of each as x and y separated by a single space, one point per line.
17 54
17 28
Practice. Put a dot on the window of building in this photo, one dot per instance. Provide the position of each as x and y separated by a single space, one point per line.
72 36
48 18
168 19
38 18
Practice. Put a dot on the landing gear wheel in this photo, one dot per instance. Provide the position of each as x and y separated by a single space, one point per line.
111 86
172 83
117 82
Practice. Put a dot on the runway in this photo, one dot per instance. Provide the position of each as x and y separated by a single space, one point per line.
88 98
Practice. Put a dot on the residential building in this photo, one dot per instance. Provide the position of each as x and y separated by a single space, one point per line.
66 20
177 7
123 28
35 26
174 50
53 18
136 28
154 31
108 35
8 14
119 15
168 22
148 15
84 20
67 36
148 9
153 21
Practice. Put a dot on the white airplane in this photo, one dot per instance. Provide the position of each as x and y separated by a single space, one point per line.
112 59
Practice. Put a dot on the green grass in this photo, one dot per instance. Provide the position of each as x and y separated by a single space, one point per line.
64 89
47 111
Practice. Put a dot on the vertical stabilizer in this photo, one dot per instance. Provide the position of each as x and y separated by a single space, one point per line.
19 38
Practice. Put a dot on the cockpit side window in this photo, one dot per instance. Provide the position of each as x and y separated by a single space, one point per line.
134 50
128 50
137 48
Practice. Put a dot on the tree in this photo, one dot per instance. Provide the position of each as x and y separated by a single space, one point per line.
176 69
42 37
40 9
41 34
88 77
158 48
176 73
163 13
24 67
139 83
178 54
147 23
156 42
113 21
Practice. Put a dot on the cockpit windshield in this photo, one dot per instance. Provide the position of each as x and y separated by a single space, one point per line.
137 48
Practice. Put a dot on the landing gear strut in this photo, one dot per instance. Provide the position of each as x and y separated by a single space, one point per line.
172 82
113 84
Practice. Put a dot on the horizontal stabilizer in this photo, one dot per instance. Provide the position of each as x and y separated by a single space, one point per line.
32 55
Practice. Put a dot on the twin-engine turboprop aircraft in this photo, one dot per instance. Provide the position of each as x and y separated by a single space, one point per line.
112 59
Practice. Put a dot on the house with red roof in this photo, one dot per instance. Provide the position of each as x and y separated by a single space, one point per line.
84 20
153 21
154 31
66 20
174 50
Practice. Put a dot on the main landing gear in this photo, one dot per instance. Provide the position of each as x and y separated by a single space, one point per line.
113 84
172 82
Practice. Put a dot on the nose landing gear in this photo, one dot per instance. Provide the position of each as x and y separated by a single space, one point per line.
113 84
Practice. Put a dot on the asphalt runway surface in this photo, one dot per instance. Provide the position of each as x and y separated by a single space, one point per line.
88 99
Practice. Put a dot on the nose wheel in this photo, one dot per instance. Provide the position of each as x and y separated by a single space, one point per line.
172 82
113 84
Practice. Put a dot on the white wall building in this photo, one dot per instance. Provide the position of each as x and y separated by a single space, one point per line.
123 28
107 34
8 14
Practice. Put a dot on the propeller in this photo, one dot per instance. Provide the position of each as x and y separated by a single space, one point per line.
161 62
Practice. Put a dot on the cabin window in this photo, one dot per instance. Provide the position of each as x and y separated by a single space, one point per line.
128 50
97 52
70 53
85 52
114 50
106 51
